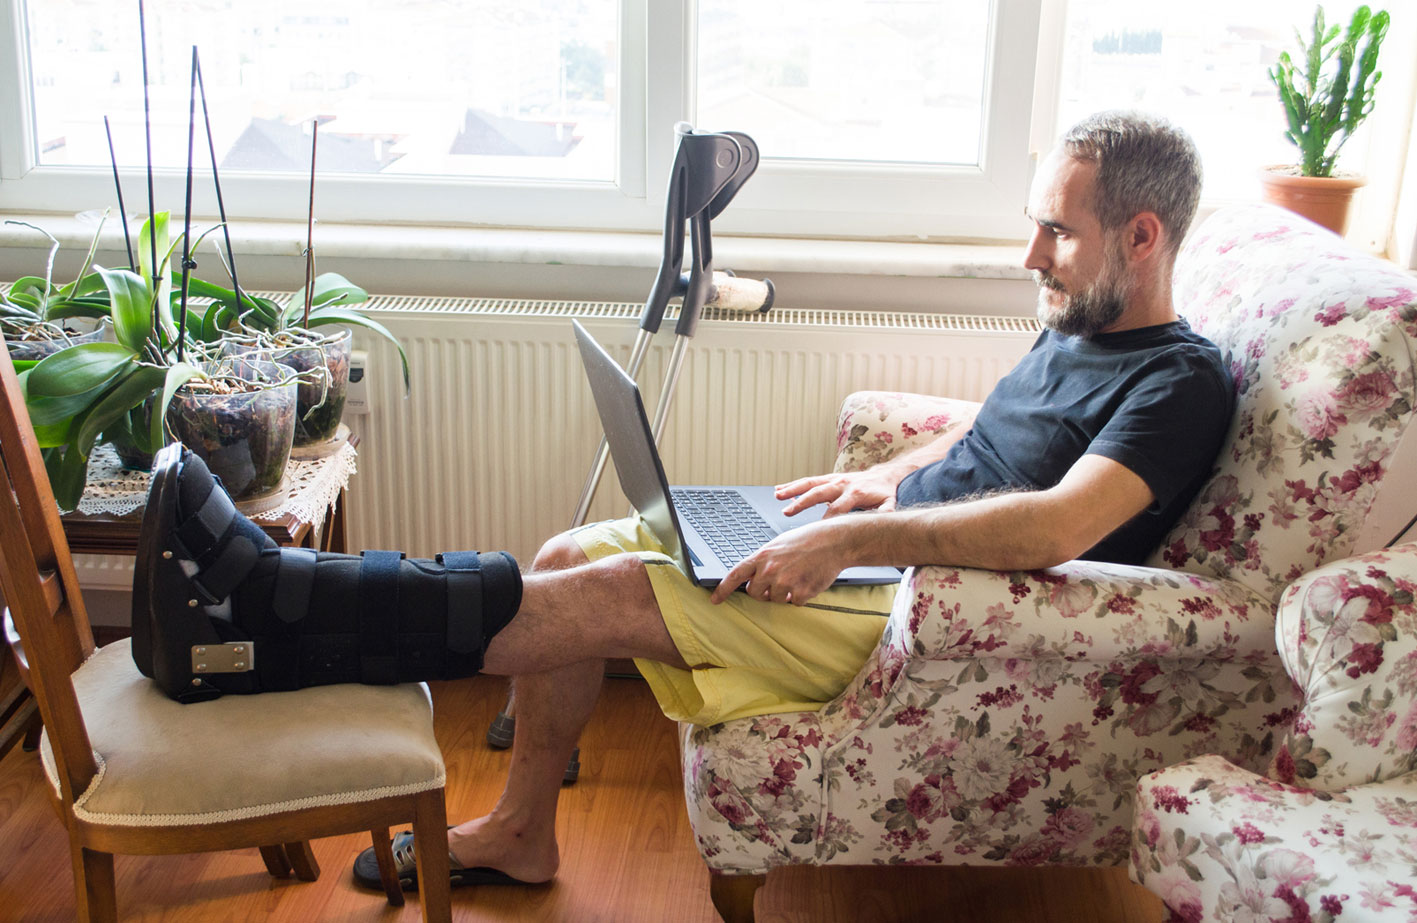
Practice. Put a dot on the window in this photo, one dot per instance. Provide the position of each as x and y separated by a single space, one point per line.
875 118
399 87
1205 65
910 114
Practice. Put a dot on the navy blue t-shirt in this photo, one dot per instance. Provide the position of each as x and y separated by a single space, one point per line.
1155 399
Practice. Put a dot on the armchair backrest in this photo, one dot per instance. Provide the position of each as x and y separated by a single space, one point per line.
1321 460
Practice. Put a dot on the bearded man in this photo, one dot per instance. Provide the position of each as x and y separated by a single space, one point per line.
1091 447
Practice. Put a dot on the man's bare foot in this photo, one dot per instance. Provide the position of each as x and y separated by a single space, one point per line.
527 852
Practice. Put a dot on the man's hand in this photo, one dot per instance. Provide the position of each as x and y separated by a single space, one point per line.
872 489
795 566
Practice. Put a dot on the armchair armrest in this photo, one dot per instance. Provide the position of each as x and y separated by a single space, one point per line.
1213 840
875 425
1348 636
1080 611
1152 648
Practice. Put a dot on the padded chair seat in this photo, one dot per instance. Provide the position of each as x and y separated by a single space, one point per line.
278 751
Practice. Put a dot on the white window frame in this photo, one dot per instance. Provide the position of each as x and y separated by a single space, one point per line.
657 42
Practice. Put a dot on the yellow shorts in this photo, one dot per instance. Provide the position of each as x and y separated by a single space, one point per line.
748 657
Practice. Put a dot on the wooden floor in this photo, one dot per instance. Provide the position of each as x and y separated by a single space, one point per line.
627 852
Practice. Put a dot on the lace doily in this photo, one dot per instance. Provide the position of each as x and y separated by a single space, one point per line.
314 486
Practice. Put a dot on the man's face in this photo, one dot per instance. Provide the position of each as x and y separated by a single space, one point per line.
1081 270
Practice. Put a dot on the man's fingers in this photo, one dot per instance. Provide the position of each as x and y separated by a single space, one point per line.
822 493
732 580
793 488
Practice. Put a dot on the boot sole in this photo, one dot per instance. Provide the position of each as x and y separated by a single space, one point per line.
162 494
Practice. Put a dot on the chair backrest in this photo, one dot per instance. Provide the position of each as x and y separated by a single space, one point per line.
41 589
1320 459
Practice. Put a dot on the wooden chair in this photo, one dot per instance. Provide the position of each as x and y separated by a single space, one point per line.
134 772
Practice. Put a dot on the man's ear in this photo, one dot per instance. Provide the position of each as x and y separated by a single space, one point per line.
1143 236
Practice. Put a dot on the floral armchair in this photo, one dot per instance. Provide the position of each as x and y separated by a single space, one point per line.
1330 832
1006 717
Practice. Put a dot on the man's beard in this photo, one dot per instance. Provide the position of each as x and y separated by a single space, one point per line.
1093 309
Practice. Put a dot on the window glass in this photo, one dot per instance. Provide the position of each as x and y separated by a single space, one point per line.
1203 64
413 87
885 80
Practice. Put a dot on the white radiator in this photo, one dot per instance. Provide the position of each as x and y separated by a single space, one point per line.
492 445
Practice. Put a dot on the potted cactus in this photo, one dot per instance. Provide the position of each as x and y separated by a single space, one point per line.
1326 95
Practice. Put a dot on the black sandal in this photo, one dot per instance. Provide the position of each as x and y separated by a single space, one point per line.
366 869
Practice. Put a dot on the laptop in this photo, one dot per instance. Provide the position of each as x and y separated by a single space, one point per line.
708 529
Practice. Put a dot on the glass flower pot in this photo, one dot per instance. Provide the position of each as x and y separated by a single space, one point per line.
243 435
323 366
39 342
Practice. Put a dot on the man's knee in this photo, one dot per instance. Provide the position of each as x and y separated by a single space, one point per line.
560 553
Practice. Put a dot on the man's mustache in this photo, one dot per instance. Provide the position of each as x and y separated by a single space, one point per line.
1046 281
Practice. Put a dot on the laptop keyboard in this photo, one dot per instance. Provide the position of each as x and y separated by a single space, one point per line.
725 521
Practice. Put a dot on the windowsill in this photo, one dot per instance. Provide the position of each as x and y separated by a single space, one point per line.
504 262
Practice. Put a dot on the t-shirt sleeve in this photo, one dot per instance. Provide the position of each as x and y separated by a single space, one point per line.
1169 428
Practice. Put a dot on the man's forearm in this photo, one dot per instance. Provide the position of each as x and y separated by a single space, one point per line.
1002 532
1023 530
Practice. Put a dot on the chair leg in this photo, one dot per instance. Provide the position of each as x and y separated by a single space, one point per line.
302 860
430 845
732 895
94 896
32 734
384 852
277 863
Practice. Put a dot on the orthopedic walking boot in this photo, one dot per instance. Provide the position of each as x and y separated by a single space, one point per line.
219 608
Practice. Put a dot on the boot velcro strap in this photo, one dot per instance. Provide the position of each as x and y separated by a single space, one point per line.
379 616
200 531
295 578
232 564
464 581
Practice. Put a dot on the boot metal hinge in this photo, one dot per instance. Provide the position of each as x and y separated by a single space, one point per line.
232 657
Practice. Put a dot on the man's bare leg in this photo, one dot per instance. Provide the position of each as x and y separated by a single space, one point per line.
559 624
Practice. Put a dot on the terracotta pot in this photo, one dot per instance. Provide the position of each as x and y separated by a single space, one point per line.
1324 200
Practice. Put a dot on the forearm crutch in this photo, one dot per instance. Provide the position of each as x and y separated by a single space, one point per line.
708 170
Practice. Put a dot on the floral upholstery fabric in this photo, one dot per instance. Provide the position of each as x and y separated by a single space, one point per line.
1331 831
1320 342
1005 718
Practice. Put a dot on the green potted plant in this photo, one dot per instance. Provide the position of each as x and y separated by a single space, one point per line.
1326 96
34 312
118 389
288 332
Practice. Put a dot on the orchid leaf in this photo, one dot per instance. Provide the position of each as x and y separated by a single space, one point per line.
77 369
178 375
330 289
128 393
129 307
342 316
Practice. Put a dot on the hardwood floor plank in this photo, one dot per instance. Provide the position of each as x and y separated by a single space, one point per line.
627 853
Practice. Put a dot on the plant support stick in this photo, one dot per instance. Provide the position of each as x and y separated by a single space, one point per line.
310 228
187 262
148 135
216 181
118 185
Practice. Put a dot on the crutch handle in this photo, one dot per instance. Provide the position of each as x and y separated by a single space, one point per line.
745 296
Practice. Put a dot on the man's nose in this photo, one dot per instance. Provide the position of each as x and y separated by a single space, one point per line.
1038 256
